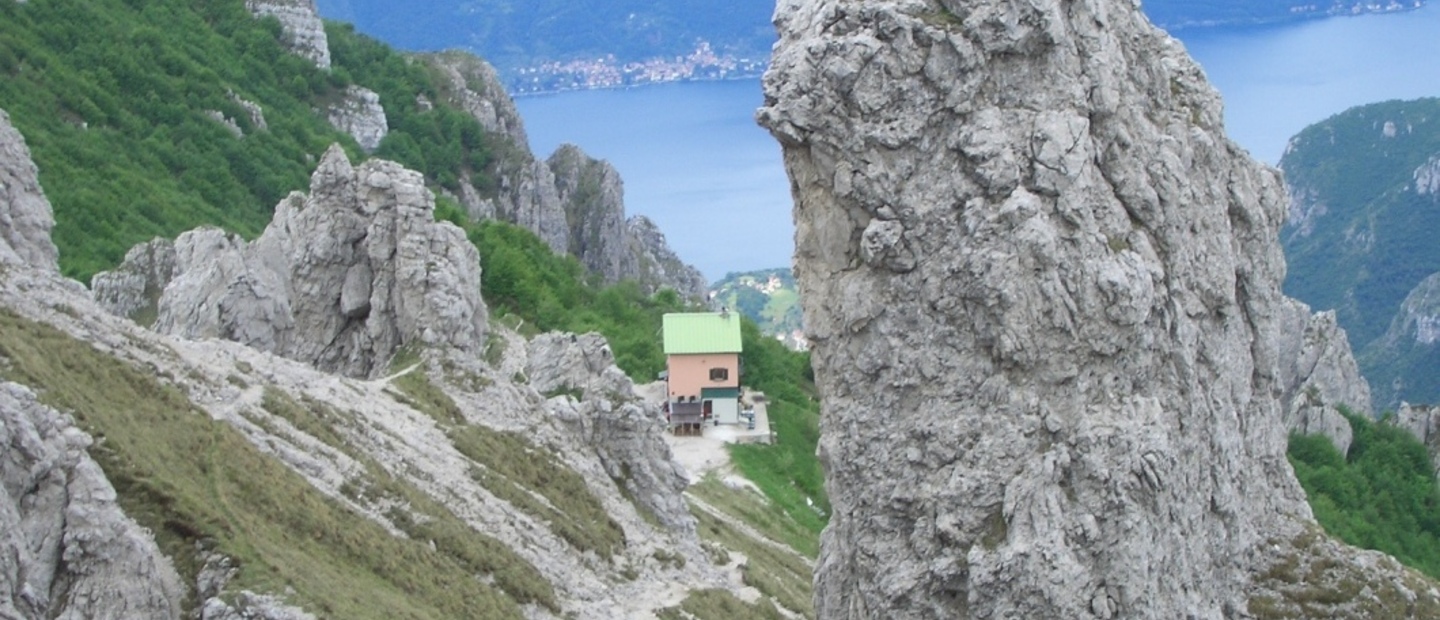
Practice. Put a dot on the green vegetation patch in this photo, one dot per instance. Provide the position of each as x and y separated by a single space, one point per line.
192 480
518 472
719 605
1381 496
778 573
551 292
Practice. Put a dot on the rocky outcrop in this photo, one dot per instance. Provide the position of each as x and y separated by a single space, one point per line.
66 549
573 202
1427 178
133 289
25 216
1418 321
304 31
1042 289
359 114
342 278
1403 361
525 194
593 198
347 267
475 87
1318 374
597 401
1423 421
658 263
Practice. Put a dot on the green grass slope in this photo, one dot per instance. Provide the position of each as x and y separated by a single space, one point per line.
114 98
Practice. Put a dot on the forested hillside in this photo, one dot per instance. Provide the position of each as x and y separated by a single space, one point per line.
1359 236
151 118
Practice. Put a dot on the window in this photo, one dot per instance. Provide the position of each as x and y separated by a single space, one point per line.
719 374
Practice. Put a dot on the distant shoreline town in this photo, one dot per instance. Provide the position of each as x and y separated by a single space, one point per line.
705 64
702 64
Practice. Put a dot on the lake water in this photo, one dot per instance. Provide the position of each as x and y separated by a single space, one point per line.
695 162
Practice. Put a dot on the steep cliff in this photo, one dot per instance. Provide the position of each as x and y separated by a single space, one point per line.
343 278
572 201
593 198
659 263
1042 289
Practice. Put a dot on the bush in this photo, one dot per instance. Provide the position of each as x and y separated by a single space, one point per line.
1381 496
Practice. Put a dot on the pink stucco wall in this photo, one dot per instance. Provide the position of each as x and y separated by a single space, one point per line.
689 373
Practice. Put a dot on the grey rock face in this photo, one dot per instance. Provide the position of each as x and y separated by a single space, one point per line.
133 289
1319 374
66 549
304 30
476 88
25 215
1042 289
342 278
593 197
359 114
628 437
659 264
525 193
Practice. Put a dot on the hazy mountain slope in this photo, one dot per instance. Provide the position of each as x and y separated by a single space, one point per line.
767 296
1182 14
1359 236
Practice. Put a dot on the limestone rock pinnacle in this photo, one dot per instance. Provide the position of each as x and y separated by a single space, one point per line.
25 215
1043 291
342 278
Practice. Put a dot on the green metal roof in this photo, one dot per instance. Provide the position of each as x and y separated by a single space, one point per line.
702 332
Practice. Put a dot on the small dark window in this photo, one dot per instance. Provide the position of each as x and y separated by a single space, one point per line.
719 374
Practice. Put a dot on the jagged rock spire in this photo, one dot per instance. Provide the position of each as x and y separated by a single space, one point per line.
1042 289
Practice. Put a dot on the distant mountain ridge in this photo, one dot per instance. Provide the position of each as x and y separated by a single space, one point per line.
1177 14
